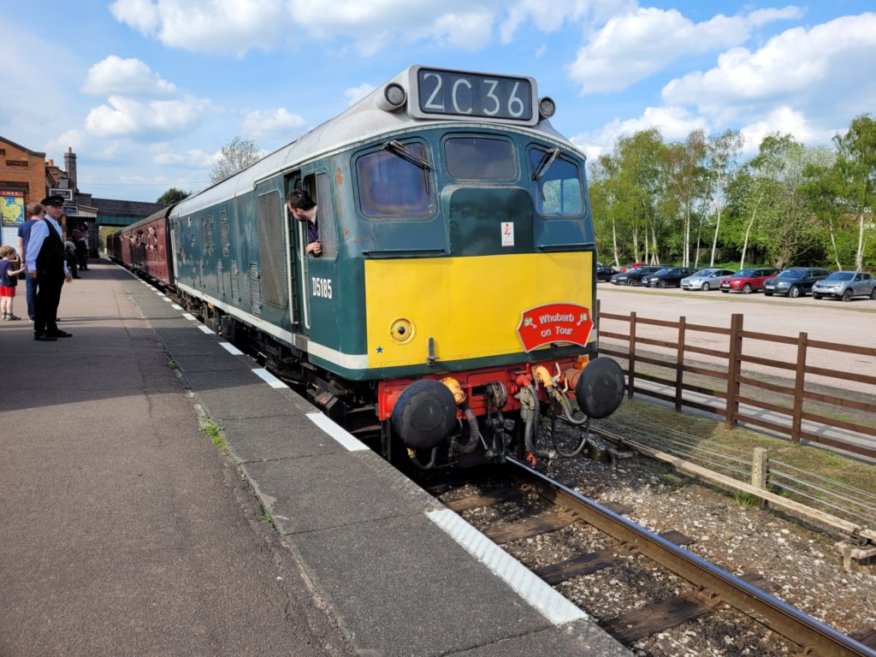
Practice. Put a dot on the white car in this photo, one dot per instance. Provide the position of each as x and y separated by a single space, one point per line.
705 279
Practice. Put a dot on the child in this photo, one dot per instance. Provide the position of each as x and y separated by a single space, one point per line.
10 268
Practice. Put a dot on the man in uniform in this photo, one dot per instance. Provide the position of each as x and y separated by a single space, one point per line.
48 267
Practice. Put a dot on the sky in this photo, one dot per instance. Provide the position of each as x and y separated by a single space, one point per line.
146 92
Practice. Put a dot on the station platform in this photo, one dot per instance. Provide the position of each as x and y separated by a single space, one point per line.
125 531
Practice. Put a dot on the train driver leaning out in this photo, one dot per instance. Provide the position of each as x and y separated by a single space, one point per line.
301 206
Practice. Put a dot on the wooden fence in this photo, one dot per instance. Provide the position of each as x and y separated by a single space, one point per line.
822 405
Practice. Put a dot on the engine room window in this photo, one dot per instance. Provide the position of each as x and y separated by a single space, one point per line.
480 158
557 184
394 182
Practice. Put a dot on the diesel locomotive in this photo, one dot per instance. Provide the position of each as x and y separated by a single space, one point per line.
452 307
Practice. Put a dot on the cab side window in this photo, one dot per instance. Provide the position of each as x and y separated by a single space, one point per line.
558 191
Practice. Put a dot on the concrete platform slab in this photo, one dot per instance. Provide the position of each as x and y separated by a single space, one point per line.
404 588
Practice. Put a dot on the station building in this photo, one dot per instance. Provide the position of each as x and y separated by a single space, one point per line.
27 176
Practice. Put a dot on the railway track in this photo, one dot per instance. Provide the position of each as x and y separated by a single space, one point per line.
710 589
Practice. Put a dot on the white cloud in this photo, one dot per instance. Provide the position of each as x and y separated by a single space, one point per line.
782 120
355 94
129 117
273 123
236 26
633 46
674 123
799 64
210 26
560 11
115 75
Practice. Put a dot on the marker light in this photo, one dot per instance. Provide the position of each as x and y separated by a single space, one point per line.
392 98
546 107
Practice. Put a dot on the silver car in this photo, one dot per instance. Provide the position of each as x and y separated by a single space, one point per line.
845 285
705 279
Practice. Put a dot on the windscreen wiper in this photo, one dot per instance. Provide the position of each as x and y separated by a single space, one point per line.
397 148
546 161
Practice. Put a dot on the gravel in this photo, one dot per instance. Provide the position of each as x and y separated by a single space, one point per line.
800 565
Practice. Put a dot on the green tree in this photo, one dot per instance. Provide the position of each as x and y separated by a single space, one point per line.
720 164
855 168
236 155
172 195
686 185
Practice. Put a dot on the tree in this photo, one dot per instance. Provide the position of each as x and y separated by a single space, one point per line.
722 153
236 155
172 195
856 168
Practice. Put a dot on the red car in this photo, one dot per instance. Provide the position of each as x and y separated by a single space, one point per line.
747 280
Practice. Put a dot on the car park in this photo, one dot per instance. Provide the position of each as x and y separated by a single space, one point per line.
705 279
794 281
634 276
845 285
604 272
747 281
667 277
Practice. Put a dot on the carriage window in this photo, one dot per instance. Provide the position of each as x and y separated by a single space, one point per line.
480 157
394 182
557 184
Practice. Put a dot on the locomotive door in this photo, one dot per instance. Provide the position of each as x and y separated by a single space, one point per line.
315 274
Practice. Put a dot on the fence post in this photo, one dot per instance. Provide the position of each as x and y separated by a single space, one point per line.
679 361
734 355
799 387
760 470
631 357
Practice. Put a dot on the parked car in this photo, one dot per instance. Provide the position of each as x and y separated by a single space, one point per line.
667 277
604 272
632 265
634 276
794 281
747 280
705 279
845 285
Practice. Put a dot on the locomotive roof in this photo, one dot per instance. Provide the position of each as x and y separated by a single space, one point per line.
361 122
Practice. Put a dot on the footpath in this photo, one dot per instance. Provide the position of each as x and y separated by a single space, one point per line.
122 530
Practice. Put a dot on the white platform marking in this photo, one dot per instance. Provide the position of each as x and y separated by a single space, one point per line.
231 349
269 378
344 437
535 591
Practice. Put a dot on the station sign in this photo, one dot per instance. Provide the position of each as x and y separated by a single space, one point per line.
67 194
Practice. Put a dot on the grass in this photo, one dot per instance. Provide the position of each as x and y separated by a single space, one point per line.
839 468
213 431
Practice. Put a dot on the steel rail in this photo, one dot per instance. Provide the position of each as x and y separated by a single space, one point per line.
814 637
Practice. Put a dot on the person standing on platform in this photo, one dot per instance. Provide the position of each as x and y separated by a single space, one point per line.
10 268
47 266
81 242
35 212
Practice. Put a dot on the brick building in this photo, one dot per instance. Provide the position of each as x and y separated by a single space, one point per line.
26 176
